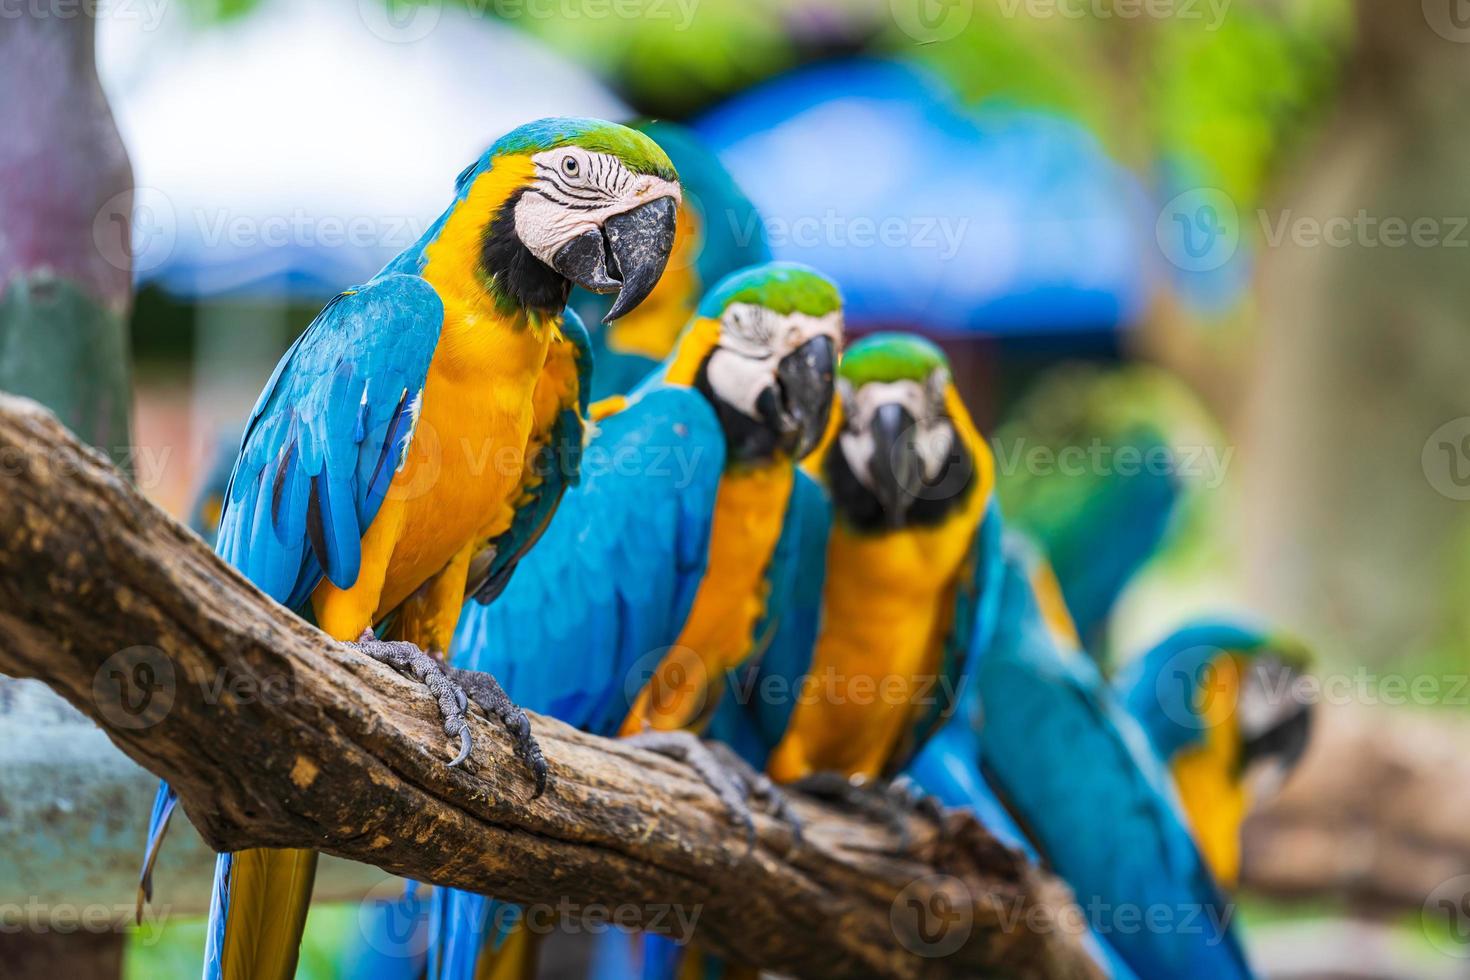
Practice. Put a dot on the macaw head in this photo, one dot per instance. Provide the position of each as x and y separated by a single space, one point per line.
575 201
719 232
763 350
905 453
1222 704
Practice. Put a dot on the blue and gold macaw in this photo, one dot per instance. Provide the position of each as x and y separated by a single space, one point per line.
887 593
1042 735
666 560
1109 501
1221 705
720 232
372 486
900 585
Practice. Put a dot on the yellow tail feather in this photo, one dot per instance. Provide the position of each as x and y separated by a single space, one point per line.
516 958
270 891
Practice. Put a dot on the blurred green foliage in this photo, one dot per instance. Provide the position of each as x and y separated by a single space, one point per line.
177 950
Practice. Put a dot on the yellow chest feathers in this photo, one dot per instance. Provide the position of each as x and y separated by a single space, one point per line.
749 510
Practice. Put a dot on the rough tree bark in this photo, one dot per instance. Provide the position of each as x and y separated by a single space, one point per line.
276 736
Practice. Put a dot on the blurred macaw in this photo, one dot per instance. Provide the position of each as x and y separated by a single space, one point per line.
360 492
720 232
1042 733
663 560
1221 705
1103 512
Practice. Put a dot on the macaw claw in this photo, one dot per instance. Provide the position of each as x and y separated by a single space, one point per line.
890 802
733 779
408 658
485 691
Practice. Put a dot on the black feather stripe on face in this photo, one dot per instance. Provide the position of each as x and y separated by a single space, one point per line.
513 273
747 440
861 509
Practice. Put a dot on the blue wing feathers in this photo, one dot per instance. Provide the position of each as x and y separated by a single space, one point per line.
1068 757
325 437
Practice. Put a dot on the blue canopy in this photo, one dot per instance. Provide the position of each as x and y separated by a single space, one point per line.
934 217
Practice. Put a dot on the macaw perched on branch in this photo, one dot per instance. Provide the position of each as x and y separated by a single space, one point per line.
361 493
1221 705
891 589
651 580
720 232
903 581
1042 733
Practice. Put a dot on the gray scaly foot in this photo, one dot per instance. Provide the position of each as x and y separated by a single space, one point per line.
731 777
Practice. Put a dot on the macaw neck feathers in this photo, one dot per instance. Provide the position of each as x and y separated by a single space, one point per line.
474 258
516 279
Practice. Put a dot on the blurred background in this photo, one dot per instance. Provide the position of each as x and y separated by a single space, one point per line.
1234 228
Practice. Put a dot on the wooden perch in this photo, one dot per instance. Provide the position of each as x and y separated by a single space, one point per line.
276 736
1374 814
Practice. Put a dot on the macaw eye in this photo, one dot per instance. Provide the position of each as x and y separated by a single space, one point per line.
569 166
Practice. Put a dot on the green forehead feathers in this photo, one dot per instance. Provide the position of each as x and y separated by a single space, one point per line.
637 150
890 357
782 287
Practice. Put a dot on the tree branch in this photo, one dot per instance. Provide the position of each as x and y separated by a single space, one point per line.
276 736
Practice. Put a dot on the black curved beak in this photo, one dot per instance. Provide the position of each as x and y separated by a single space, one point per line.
801 403
1283 737
626 256
894 469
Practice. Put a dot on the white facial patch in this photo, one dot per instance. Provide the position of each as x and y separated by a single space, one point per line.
934 438
753 340
575 191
